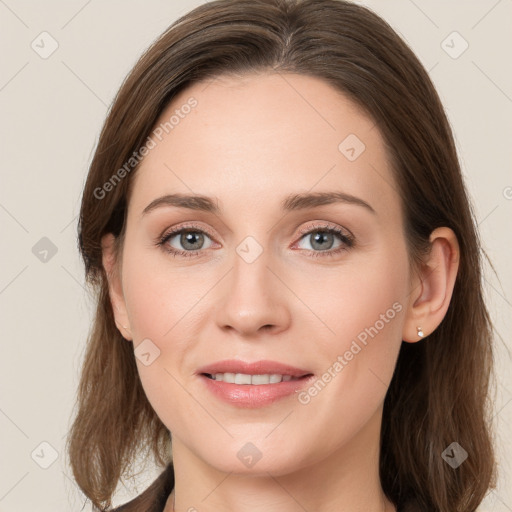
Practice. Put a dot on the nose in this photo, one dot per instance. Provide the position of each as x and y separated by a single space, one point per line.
252 300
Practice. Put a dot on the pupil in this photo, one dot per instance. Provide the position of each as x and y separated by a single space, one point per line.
191 238
321 236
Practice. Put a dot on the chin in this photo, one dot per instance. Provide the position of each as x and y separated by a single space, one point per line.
255 457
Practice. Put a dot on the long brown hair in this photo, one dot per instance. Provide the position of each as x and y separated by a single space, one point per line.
439 393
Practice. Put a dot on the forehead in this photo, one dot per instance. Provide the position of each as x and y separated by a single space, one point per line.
252 140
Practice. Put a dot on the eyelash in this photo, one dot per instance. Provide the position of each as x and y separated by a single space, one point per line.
347 240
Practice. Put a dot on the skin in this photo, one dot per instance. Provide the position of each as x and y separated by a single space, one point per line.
249 142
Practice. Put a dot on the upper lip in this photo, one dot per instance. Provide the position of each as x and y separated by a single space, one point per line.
256 368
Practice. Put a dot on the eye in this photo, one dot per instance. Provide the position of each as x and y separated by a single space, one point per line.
185 241
322 238
190 240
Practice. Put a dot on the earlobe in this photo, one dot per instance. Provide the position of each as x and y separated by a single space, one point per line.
111 267
433 290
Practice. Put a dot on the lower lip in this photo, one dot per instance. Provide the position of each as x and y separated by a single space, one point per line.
250 396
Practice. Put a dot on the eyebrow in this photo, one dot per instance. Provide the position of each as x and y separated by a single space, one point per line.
293 202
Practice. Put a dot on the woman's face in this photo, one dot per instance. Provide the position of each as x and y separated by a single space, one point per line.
319 284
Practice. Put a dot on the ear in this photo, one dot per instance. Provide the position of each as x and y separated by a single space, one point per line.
432 288
115 289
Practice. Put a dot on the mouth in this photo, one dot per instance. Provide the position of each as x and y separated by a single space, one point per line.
252 385
236 367
245 379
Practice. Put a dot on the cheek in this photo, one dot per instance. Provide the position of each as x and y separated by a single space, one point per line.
152 314
165 309
364 307
362 301
157 298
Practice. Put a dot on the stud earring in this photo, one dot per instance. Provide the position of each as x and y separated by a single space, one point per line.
420 332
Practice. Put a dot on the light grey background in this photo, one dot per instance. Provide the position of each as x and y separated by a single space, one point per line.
52 110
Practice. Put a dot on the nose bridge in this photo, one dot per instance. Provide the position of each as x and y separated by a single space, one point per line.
251 297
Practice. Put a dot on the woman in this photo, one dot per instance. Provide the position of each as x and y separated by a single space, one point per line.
288 375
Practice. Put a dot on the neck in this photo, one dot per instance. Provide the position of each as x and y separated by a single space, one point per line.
346 481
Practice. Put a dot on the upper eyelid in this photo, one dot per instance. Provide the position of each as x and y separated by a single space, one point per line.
174 231
324 225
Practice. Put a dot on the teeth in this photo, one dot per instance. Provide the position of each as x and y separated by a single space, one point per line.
255 380
240 378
